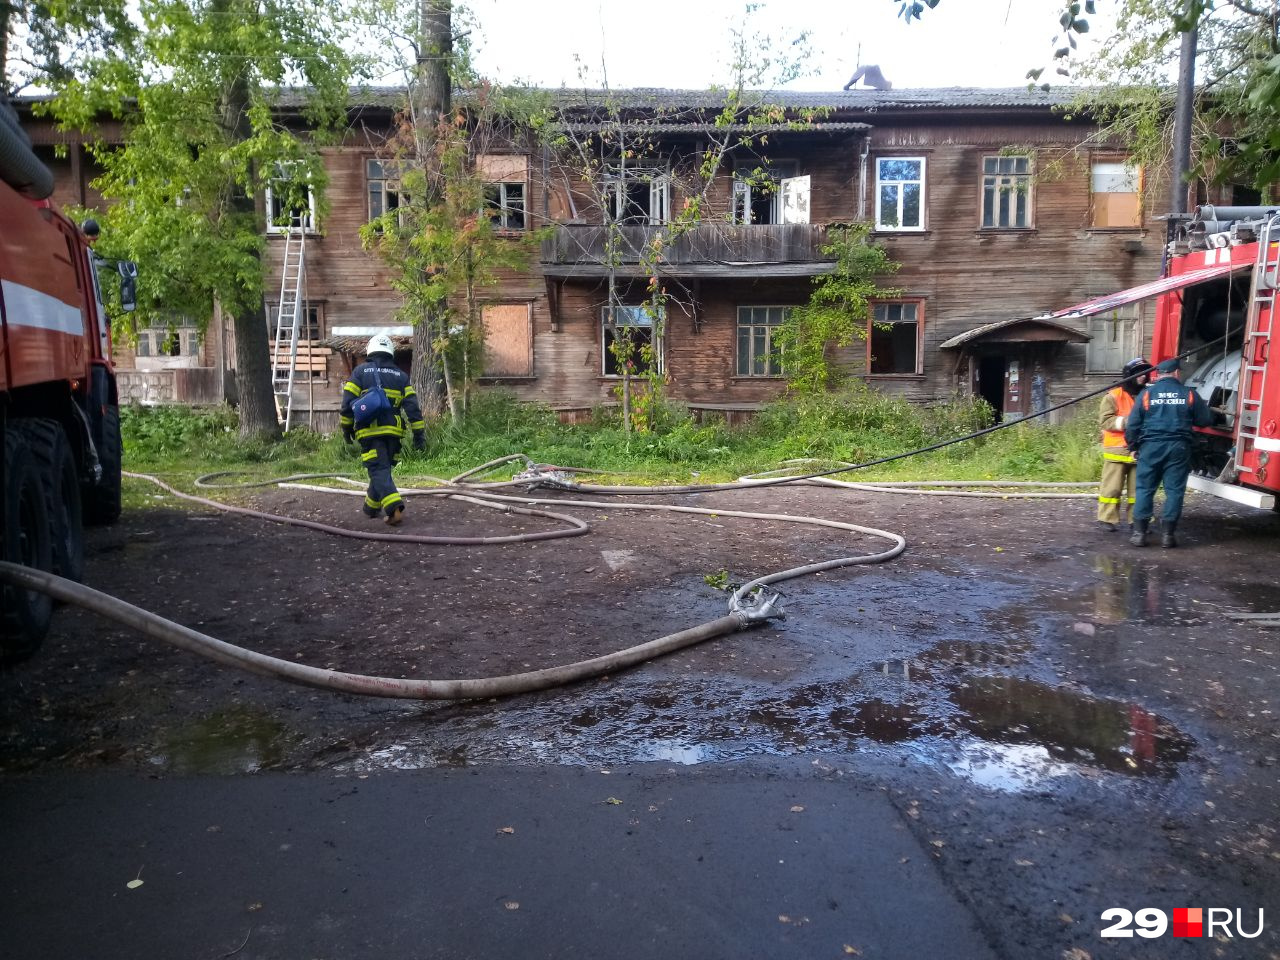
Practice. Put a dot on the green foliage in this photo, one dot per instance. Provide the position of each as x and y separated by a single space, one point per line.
855 425
198 100
838 309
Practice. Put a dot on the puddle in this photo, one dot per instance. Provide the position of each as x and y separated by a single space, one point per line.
230 742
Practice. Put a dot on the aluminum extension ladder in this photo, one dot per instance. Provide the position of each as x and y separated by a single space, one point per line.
1257 337
289 313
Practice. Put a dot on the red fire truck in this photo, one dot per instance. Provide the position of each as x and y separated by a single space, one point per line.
59 414
1214 309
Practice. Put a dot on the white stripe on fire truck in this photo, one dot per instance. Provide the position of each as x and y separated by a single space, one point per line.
25 307
1262 443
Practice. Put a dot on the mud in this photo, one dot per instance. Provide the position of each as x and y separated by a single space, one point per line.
1025 685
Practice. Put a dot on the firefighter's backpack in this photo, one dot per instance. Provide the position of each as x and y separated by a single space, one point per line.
374 402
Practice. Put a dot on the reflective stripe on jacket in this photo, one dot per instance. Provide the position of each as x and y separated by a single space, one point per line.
405 414
1117 403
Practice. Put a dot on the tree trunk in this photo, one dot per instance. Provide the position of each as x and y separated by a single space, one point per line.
253 352
430 100
6 20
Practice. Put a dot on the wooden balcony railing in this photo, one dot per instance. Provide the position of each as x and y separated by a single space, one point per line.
708 248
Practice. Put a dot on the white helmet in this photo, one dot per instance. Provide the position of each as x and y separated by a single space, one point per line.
380 344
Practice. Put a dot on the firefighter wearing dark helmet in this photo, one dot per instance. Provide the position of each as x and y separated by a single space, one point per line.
1159 433
1117 461
381 437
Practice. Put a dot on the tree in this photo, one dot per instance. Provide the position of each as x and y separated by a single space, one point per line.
440 237
41 40
605 146
838 309
199 91
1236 132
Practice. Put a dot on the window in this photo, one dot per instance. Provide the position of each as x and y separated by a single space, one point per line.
1006 191
758 194
639 196
632 331
757 355
384 188
893 338
291 204
179 341
504 202
1116 190
508 340
900 193
1117 339
309 327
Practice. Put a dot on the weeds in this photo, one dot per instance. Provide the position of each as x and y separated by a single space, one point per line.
854 425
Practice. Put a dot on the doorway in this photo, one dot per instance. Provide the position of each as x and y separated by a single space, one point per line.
991 385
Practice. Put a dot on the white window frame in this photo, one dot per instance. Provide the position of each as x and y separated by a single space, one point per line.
779 173
1116 338
875 320
308 220
748 323
387 187
881 183
500 212
1006 187
630 315
659 184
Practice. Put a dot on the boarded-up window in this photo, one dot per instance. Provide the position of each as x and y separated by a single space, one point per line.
502 167
1116 190
508 340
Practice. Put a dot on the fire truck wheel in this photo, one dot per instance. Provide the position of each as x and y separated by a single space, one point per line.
52 454
102 500
24 614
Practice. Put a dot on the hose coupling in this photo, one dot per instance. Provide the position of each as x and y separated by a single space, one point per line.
761 606
537 475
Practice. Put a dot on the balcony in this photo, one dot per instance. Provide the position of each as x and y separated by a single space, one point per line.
708 250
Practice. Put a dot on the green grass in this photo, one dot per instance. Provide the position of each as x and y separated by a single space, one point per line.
855 425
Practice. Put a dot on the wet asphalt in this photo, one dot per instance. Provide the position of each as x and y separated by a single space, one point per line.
967 754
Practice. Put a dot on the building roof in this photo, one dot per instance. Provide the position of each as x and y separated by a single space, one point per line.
660 98
1017 330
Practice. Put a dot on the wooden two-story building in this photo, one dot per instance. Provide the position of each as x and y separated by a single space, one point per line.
997 206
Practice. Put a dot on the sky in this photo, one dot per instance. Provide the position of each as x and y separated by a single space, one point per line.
684 43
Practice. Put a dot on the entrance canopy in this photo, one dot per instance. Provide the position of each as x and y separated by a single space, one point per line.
1145 291
1026 330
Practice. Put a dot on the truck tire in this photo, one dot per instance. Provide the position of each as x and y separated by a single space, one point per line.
102 500
24 539
52 454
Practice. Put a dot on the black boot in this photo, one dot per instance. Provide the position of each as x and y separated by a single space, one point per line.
1168 539
1139 536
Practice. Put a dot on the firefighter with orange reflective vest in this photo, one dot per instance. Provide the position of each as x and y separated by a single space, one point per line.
1160 432
380 436
1117 461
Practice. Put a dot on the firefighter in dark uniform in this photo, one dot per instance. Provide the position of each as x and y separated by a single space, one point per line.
1159 434
380 440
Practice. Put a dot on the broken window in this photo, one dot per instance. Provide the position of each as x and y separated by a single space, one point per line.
384 188
291 203
629 342
900 193
1006 191
770 194
893 338
639 196
758 356
1116 192
504 203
